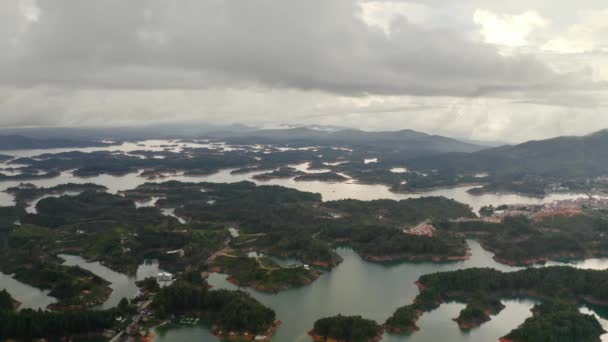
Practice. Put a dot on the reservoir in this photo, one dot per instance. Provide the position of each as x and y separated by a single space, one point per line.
330 191
358 287
354 287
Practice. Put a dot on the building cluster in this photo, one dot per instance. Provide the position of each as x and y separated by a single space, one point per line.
513 211
579 203
562 207
423 229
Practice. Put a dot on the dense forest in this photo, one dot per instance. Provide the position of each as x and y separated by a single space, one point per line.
75 287
481 288
29 324
263 274
7 303
25 193
346 329
529 167
557 321
229 310
519 240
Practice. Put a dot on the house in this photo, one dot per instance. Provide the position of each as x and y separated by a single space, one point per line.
164 276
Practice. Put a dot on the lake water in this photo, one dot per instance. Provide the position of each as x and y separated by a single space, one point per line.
329 191
123 286
374 291
354 287
29 297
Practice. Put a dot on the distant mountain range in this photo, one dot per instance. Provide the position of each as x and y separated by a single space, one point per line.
400 144
560 157
583 156
19 142
407 142
152 131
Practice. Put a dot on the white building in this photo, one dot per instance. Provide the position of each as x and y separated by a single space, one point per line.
164 276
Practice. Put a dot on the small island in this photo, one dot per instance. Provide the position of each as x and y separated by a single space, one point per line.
75 287
281 173
235 314
346 329
26 192
321 176
478 312
263 274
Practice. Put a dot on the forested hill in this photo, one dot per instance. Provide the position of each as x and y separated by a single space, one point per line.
585 156
20 142
404 140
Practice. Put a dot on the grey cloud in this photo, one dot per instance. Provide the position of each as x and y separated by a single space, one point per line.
309 45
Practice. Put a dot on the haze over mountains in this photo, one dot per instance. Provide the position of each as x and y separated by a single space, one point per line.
19 142
415 143
404 140
559 157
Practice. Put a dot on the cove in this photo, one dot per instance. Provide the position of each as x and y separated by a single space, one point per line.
374 291
29 296
122 286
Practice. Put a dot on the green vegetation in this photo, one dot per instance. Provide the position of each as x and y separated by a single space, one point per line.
149 284
478 311
403 321
30 325
25 193
263 274
7 303
375 228
481 288
531 167
557 321
346 329
321 176
518 240
392 148
530 186
283 172
9 215
75 287
108 228
229 310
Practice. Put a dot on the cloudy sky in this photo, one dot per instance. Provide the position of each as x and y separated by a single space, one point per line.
497 70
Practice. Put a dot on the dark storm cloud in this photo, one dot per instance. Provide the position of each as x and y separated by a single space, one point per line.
313 44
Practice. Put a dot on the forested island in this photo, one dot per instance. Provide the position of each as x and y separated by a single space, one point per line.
263 274
521 240
559 288
523 168
346 329
28 324
557 321
233 313
25 193
321 176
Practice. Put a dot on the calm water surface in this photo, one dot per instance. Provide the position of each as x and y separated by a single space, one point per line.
329 191
29 297
354 287
123 286
375 291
